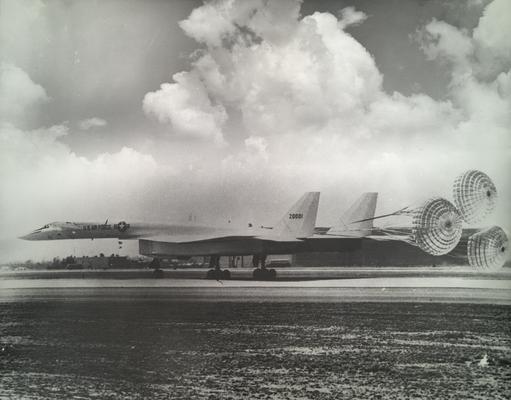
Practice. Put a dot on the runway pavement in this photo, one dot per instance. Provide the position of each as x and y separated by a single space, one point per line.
418 285
284 274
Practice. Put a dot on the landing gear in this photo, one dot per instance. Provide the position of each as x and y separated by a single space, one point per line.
215 272
262 274
157 272
218 274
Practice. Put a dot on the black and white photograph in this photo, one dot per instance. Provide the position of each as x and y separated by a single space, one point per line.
255 199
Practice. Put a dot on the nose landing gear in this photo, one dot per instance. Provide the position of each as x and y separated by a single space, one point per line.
157 271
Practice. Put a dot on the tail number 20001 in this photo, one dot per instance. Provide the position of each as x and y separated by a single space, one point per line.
295 216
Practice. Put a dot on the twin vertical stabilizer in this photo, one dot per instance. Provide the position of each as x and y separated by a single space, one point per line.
300 220
362 209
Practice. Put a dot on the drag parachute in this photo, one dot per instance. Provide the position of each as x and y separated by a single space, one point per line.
487 249
474 195
436 226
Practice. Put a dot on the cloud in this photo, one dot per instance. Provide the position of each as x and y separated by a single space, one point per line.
187 107
482 54
21 25
442 40
301 81
254 157
491 39
19 94
208 24
480 75
89 123
227 22
315 81
350 16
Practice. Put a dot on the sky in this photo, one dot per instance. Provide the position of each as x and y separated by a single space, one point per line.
155 110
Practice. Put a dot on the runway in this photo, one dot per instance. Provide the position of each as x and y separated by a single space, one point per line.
284 274
392 284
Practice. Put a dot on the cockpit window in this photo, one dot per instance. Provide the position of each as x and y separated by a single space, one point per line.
45 227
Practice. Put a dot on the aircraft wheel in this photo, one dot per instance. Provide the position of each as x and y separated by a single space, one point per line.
226 274
158 273
257 274
211 274
268 274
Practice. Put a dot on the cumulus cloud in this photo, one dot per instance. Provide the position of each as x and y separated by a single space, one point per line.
187 107
209 24
482 54
279 83
315 81
93 122
491 39
480 76
442 40
18 93
253 157
227 22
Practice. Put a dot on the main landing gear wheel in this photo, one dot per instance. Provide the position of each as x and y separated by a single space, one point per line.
263 274
219 274
215 272
158 273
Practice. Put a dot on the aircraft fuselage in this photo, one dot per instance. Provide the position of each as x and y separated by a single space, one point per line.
121 230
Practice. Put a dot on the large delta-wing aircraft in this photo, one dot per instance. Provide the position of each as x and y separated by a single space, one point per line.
436 228
294 233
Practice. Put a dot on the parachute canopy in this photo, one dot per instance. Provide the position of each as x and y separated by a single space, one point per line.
474 195
487 249
436 226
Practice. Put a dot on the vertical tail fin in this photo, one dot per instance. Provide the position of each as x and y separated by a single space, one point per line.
300 220
363 208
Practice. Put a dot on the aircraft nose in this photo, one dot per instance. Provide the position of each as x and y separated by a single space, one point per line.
28 236
35 235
